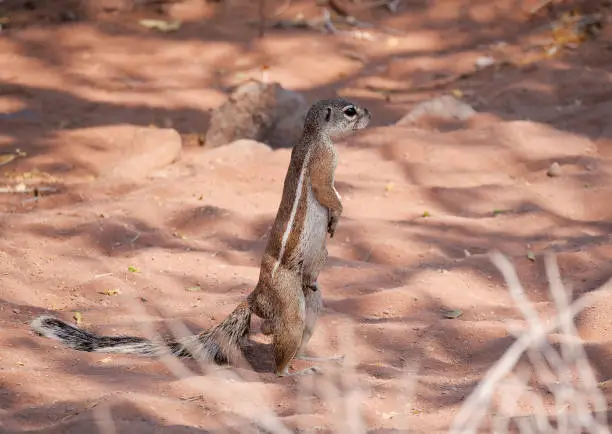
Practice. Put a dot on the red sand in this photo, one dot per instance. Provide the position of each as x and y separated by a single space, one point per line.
204 219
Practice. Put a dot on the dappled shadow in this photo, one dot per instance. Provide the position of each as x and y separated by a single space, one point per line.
107 412
116 236
50 112
463 29
177 76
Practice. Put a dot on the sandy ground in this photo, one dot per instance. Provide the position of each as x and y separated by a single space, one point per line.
423 205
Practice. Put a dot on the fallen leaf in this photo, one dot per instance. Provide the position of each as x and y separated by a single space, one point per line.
452 314
354 55
457 93
133 269
78 318
531 256
161 25
179 235
20 364
193 288
110 292
604 383
7 158
390 186
426 214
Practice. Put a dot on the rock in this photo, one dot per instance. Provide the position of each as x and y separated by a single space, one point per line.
128 152
554 170
445 108
290 112
264 112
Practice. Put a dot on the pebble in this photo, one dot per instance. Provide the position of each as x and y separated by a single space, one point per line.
554 170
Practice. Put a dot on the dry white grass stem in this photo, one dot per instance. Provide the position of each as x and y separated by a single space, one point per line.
566 374
103 418
345 403
225 388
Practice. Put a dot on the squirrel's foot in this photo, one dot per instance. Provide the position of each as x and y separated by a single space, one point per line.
338 358
307 371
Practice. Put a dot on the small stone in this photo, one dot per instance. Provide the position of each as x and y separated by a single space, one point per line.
484 61
554 170
264 112
444 107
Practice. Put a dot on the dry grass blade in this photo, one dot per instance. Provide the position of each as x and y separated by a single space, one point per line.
103 418
573 350
565 372
220 384
241 397
552 368
353 395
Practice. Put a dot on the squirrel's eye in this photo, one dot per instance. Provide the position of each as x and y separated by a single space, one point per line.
350 111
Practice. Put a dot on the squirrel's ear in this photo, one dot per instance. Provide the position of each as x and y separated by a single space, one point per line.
328 111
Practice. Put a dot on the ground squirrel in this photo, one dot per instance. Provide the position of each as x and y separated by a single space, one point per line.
287 295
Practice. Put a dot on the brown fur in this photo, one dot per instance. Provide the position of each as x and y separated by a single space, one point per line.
289 300
287 295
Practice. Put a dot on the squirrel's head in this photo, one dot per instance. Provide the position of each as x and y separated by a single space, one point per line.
336 117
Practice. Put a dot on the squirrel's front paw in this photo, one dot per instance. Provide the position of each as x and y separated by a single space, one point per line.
331 225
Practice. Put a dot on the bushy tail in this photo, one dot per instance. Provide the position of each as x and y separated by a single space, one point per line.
216 345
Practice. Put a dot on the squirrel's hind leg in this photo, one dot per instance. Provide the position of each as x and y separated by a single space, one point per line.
288 329
314 303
